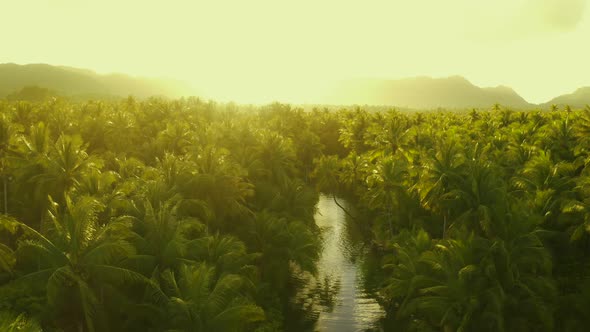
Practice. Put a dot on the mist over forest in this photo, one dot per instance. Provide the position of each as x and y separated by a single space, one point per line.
297 166
411 93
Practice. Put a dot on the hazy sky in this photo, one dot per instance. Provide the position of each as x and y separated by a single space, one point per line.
259 50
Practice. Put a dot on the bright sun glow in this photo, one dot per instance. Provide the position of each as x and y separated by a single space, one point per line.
259 51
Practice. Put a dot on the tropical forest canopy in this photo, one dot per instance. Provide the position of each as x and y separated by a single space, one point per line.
382 165
186 215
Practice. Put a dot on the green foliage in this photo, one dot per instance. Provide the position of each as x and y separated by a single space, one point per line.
480 218
135 215
17 323
195 216
199 302
31 93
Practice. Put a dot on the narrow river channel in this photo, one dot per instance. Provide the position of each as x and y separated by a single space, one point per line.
349 306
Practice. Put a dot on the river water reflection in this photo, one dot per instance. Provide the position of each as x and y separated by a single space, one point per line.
345 302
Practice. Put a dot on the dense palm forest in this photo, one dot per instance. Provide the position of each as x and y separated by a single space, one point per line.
188 215
480 219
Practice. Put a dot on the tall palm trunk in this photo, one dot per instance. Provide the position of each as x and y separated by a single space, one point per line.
445 218
5 196
5 184
389 217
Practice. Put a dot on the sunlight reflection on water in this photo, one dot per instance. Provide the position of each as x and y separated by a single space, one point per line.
353 309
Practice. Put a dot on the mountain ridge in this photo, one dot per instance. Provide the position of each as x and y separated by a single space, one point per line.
419 92
426 92
579 98
71 81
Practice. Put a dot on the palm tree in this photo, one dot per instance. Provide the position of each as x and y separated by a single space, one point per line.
28 160
459 298
7 132
109 189
163 237
573 307
7 259
76 258
226 253
354 129
519 150
442 174
200 302
506 117
472 283
294 200
24 113
280 243
18 323
120 126
474 115
326 174
58 118
353 172
307 148
220 182
387 189
560 139
546 184
326 125
582 126
64 167
479 199
277 155
579 209
176 138
390 137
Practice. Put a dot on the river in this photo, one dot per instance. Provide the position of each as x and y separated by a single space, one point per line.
346 305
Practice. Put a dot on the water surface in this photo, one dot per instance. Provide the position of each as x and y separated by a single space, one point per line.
345 303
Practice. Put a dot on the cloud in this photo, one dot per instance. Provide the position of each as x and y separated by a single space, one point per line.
518 20
555 15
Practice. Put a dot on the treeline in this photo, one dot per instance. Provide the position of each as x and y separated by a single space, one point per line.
157 215
195 216
480 220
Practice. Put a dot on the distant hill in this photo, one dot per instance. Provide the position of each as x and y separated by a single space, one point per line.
76 82
424 93
578 99
453 92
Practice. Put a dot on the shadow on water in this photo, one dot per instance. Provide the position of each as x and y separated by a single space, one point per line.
339 298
